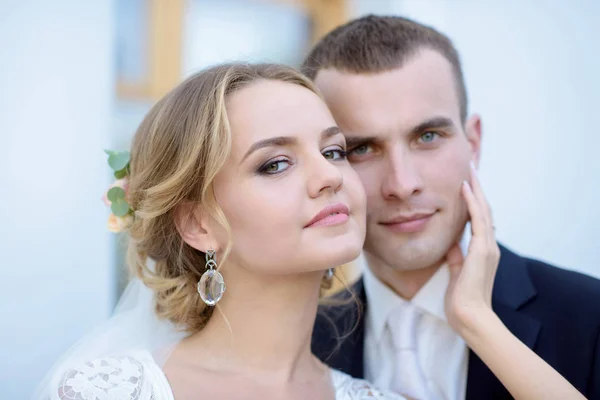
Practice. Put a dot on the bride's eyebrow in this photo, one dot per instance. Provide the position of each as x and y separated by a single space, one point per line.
278 141
281 141
329 132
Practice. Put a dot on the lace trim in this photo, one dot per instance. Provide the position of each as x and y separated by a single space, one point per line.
111 378
121 378
348 388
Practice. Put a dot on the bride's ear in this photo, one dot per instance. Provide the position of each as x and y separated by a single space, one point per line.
196 227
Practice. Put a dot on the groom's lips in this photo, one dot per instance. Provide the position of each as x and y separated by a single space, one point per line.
408 223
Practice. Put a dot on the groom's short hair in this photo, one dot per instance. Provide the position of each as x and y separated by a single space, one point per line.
373 44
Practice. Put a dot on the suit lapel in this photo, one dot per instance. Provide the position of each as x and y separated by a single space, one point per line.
513 288
341 343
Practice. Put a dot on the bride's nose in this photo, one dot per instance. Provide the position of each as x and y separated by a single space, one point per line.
322 176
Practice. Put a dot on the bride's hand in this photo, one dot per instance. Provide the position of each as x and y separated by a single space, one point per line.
469 311
469 293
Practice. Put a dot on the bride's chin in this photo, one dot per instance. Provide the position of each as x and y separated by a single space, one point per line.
340 256
351 254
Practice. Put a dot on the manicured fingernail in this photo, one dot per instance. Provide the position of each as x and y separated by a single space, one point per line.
465 183
473 165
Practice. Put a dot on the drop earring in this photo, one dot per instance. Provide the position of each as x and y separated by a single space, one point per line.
211 285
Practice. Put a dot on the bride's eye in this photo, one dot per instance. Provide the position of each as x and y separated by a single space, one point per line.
335 154
274 167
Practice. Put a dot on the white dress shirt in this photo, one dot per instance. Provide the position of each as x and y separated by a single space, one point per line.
441 352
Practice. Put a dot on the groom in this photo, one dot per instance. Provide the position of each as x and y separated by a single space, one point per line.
396 89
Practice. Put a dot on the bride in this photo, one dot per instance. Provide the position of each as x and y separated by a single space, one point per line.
240 201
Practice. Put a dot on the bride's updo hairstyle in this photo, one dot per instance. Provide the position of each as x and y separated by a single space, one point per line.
176 153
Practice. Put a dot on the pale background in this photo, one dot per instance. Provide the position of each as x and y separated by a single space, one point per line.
532 72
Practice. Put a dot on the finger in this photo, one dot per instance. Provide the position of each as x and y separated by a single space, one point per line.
485 206
479 195
479 227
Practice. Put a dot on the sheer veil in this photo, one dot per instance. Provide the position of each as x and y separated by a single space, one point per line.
133 326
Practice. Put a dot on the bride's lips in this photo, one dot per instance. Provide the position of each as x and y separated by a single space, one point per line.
408 223
334 214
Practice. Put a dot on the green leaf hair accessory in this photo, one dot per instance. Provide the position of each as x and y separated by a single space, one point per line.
116 196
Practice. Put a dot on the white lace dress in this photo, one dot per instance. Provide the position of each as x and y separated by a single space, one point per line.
136 376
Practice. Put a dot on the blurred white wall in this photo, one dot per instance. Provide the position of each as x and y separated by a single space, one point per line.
533 73
56 89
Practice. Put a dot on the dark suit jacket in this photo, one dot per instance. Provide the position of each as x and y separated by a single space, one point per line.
553 311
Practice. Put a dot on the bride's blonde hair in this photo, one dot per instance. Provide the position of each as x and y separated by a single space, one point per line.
177 151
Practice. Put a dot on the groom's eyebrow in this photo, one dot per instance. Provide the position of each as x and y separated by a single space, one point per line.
353 141
432 124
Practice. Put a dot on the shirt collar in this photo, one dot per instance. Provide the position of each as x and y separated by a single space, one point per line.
430 298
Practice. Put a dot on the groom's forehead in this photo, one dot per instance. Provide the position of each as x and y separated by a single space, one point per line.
389 105
427 75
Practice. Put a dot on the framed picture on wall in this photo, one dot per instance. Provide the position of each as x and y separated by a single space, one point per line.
149 46
160 41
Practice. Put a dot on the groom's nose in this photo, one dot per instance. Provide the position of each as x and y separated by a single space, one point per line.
401 175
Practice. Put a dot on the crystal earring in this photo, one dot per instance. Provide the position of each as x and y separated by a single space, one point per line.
211 285
329 273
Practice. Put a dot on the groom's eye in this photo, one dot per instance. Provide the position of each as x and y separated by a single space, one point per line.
428 137
360 150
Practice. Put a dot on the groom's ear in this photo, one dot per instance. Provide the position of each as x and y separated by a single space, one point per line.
196 227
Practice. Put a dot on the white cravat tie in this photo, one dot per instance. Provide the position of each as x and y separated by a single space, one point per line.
408 379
